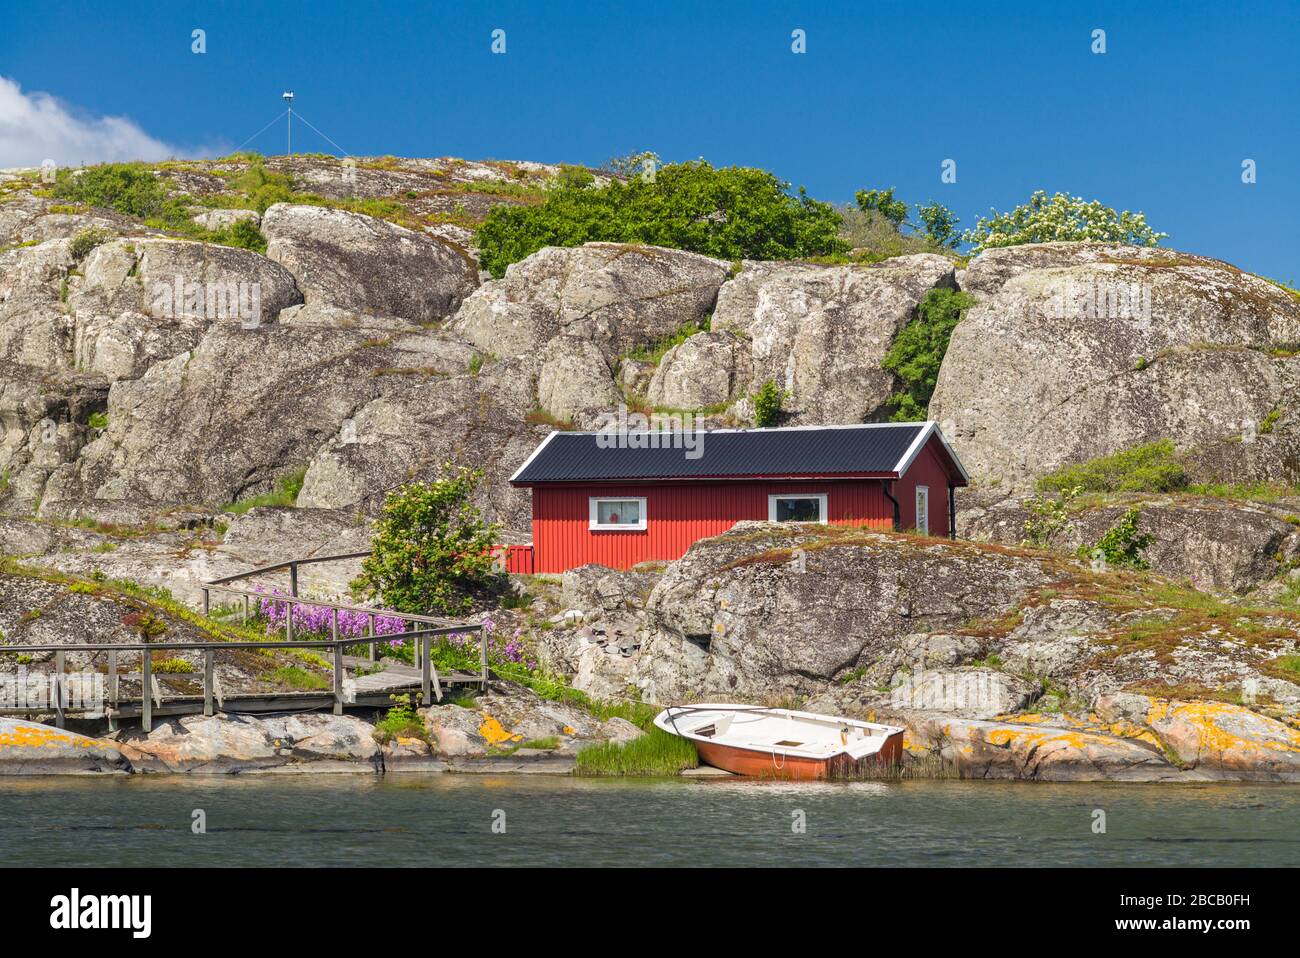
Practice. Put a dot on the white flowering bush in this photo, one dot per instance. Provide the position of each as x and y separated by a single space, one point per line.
1048 219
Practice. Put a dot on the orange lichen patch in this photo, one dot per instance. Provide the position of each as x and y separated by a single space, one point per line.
495 733
1129 730
1212 724
41 736
1088 724
408 741
912 745
1039 737
569 730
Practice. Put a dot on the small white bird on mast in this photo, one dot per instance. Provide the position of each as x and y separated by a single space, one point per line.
288 98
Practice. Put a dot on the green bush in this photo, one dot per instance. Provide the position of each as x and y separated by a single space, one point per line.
1061 217
1048 518
1154 467
882 202
731 213
243 234
133 190
83 243
262 187
767 405
1123 544
127 188
918 351
431 551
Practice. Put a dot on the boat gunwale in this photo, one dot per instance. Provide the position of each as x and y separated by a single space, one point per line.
775 750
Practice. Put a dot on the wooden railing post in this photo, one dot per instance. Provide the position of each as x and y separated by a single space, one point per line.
59 664
146 687
482 644
112 690
338 679
334 632
207 599
209 663
293 578
245 616
426 690
370 631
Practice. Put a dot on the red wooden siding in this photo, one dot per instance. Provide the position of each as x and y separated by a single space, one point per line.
926 470
516 559
679 513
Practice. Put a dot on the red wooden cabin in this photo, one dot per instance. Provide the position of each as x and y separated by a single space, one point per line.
620 499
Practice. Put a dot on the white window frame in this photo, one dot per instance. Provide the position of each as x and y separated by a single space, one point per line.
822 510
923 521
594 525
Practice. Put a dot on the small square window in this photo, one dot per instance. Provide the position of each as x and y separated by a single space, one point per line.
618 514
797 508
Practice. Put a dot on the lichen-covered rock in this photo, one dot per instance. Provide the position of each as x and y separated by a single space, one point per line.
1216 544
618 296
199 430
29 748
421 421
1074 351
767 610
820 332
508 718
707 369
222 218
574 383
1228 739
598 589
973 692
143 301
1041 752
43 425
230 744
368 265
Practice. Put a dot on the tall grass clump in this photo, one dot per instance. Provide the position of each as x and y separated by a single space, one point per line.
652 754
285 494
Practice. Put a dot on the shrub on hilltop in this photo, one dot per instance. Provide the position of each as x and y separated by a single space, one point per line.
731 213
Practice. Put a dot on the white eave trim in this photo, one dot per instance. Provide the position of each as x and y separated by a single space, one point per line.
536 452
914 450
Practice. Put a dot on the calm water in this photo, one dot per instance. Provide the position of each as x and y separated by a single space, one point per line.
447 819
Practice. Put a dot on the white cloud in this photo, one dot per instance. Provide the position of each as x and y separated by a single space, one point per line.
36 126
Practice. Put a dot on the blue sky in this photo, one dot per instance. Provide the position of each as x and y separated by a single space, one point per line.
884 94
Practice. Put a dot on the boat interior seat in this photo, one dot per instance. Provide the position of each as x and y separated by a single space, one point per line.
863 746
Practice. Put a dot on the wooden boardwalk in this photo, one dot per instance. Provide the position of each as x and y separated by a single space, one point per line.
372 684
370 690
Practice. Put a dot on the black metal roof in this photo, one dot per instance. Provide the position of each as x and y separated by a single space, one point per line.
879 449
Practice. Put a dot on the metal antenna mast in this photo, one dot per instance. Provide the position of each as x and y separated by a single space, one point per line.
288 98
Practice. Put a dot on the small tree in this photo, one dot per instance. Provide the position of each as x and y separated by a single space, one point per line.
431 551
1057 218
882 202
939 224
767 404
